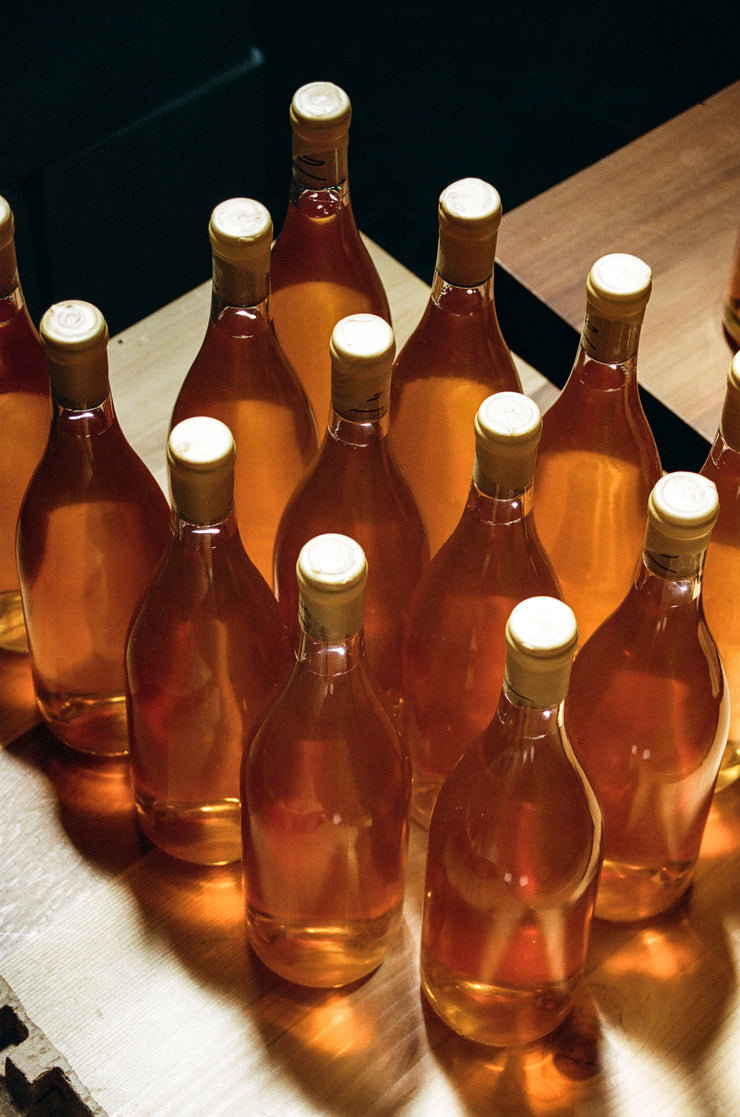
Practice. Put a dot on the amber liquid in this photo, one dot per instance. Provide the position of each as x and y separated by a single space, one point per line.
454 360
596 466
25 414
721 601
325 793
321 271
455 649
92 531
732 301
354 487
647 712
507 908
241 377
205 651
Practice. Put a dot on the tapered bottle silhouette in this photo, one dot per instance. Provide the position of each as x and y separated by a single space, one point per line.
321 268
241 376
597 460
92 531
26 412
206 649
325 793
648 710
454 359
514 852
355 487
455 647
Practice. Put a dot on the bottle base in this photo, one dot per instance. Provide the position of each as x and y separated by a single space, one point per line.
495 1015
321 955
13 635
630 893
202 833
729 769
93 725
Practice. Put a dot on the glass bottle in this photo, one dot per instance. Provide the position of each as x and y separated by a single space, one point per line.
597 460
206 649
321 269
241 376
455 650
354 486
648 710
453 360
25 412
514 852
325 792
91 533
720 593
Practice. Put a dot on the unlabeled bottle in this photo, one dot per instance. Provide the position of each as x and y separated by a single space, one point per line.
514 852
25 410
455 357
321 268
242 377
92 531
721 592
648 710
206 649
597 460
354 486
325 793
455 649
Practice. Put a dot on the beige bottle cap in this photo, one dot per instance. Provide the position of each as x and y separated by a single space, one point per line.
75 339
320 115
362 349
200 455
541 638
240 232
332 573
8 276
508 426
682 511
618 287
469 217
730 421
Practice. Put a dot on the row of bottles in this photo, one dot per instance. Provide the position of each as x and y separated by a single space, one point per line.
239 747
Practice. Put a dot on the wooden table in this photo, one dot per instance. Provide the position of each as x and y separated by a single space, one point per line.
136 969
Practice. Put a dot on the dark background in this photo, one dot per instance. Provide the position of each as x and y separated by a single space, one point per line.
124 124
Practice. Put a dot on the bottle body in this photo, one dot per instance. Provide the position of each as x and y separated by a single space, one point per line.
453 360
92 531
241 377
321 272
354 487
507 909
25 412
325 793
205 651
652 744
597 461
596 466
454 650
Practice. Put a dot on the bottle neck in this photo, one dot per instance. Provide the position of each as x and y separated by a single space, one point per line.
686 571
610 341
456 299
11 303
499 506
235 286
530 720
329 658
84 422
203 538
348 432
320 170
